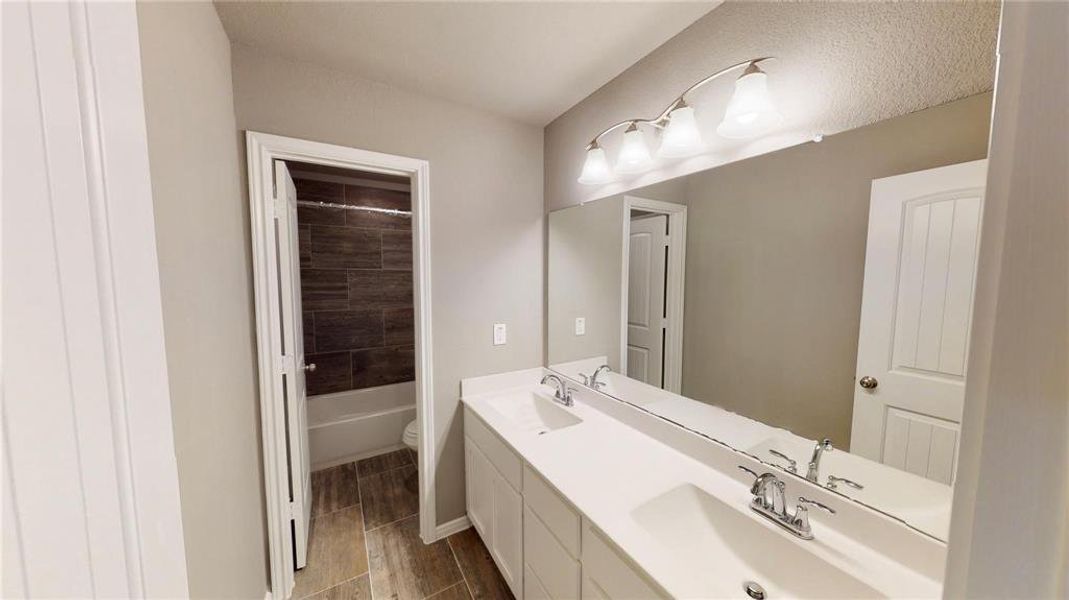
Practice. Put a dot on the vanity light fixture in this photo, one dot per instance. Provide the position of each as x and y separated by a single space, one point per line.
750 112
634 154
596 169
681 136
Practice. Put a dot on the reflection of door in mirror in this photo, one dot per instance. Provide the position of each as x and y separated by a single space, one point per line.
647 258
920 266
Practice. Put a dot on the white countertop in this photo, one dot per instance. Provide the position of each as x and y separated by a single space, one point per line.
921 502
607 470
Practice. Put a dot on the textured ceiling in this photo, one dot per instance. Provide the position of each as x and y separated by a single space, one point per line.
840 65
528 60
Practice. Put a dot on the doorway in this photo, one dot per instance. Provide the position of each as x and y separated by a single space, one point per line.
655 234
354 335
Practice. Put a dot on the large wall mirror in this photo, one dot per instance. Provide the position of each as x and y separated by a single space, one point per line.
810 307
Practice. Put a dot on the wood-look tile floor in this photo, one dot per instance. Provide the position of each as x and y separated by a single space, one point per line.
364 541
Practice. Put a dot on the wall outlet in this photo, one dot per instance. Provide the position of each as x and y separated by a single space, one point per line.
500 334
580 326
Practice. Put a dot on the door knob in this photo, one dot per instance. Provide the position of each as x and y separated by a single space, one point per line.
868 382
310 368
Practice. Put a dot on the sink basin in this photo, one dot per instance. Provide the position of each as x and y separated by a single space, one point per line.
531 411
725 548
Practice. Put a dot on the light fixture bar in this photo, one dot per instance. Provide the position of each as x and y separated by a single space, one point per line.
680 100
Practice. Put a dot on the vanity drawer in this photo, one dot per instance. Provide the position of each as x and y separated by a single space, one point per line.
532 587
506 461
607 574
556 571
556 513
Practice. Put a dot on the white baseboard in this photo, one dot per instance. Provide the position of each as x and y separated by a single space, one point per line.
267 595
456 525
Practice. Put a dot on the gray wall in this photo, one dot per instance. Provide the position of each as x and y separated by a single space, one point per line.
486 216
775 261
585 277
205 276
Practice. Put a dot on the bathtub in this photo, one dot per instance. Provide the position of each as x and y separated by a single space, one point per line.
356 424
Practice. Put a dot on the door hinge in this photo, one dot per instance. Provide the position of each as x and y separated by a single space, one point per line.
293 510
284 364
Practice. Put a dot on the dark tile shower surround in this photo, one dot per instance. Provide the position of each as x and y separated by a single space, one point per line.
356 287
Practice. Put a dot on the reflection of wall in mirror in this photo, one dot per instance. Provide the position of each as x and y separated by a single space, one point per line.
775 258
584 281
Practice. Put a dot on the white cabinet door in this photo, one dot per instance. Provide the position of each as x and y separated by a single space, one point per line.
507 533
495 509
480 490
916 311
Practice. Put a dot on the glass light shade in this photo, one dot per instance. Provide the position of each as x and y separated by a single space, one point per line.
681 136
750 111
596 169
634 153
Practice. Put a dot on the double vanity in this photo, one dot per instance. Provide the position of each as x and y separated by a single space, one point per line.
579 495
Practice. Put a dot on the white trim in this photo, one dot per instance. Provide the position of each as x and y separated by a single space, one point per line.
262 150
455 526
676 284
91 494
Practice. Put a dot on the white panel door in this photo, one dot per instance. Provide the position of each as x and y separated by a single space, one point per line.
916 309
647 254
289 285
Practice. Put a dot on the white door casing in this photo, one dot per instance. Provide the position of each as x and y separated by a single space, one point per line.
291 356
675 285
916 309
647 246
262 150
91 503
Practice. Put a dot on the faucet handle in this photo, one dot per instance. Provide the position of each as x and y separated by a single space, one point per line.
801 516
750 471
803 503
792 465
833 483
586 379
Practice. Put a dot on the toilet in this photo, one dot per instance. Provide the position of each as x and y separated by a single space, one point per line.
410 437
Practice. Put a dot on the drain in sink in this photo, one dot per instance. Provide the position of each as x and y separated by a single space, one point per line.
754 590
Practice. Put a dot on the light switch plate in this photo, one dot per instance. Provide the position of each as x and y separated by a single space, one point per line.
580 326
500 334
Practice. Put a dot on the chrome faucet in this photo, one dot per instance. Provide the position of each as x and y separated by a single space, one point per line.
562 394
770 501
771 492
813 474
592 380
